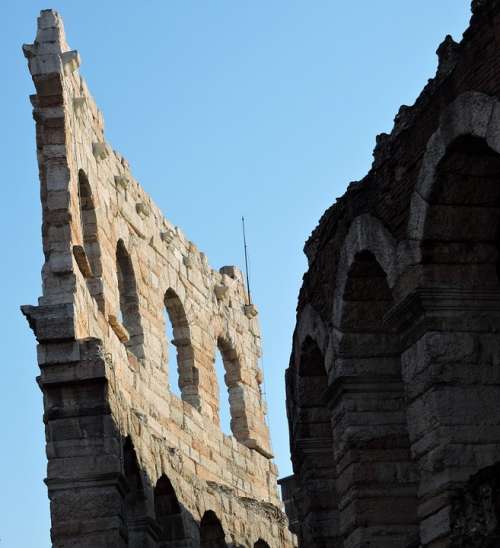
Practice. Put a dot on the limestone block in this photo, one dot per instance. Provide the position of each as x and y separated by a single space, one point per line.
119 329
82 261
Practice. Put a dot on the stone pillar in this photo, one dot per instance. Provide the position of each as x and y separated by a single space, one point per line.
313 489
84 476
451 370
376 480
317 500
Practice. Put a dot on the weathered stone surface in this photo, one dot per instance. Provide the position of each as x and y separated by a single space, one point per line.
130 464
394 377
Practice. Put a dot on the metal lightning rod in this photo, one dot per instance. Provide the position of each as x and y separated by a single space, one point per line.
246 259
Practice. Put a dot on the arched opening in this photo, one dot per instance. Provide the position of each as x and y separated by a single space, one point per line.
224 406
232 413
311 384
369 423
458 325
183 375
312 449
367 296
168 511
91 266
211 531
261 544
135 498
129 300
174 381
460 245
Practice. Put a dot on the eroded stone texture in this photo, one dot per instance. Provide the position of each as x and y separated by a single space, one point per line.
393 387
129 463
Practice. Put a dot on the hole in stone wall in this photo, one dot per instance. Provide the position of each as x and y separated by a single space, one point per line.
261 544
171 358
211 531
183 374
224 408
129 301
90 248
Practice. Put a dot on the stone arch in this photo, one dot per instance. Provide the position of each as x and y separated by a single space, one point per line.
366 296
472 114
459 233
310 386
89 261
368 407
261 544
168 512
211 532
129 301
455 222
366 234
309 324
188 373
233 385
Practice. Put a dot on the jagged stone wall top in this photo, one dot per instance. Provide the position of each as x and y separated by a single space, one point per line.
113 264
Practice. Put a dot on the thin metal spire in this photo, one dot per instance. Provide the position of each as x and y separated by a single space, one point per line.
246 260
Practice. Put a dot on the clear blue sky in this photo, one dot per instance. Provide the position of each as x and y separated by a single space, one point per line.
223 108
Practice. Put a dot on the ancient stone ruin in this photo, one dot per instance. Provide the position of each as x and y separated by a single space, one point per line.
393 388
129 463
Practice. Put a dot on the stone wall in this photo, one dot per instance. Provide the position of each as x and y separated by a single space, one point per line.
394 379
129 463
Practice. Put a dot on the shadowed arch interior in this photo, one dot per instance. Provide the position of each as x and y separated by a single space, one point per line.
261 544
135 498
462 224
168 511
311 384
129 300
211 532
313 445
367 296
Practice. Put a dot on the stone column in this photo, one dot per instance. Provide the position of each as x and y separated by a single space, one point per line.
451 371
318 512
313 489
376 480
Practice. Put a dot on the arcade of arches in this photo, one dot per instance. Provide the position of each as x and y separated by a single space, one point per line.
394 379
